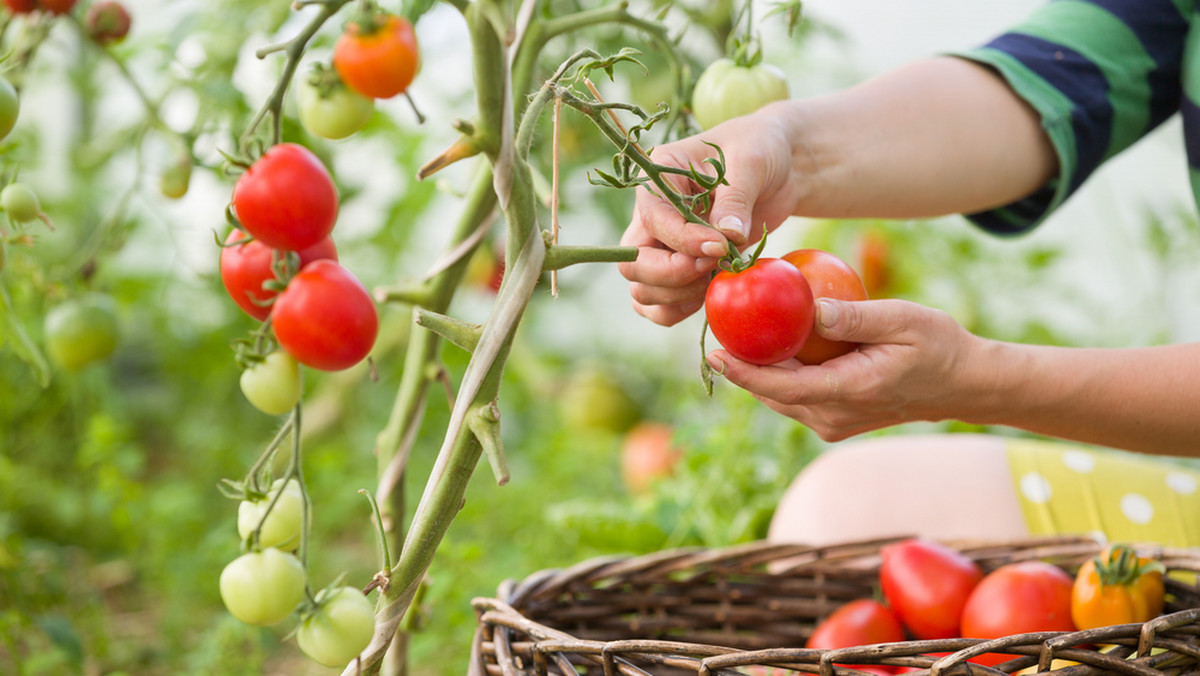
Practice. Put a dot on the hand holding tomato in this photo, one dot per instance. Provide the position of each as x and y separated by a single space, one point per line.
762 314
829 277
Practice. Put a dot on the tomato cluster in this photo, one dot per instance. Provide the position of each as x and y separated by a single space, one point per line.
932 591
763 314
282 266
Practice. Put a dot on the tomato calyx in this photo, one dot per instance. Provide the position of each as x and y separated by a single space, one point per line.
735 262
1124 567
325 80
368 20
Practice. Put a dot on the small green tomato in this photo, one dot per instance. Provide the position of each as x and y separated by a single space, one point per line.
726 90
20 202
330 109
263 588
339 628
282 525
81 331
273 385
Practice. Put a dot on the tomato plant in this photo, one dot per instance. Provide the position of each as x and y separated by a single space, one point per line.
325 318
107 22
648 453
1116 587
726 90
264 587
1017 598
81 331
282 523
377 56
273 385
330 109
338 628
829 277
10 108
247 266
761 314
286 198
927 583
858 623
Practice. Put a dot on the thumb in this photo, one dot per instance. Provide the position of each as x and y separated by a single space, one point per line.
731 213
864 321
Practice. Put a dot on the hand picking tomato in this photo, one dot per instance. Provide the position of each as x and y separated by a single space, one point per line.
246 267
762 314
1117 587
273 385
282 524
339 628
263 588
330 109
726 90
378 56
927 583
1017 598
325 318
286 199
829 277
858 623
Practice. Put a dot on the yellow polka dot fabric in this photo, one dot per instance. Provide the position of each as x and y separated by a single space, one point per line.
1122 497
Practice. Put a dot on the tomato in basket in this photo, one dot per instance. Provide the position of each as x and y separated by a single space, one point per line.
927 583
858 623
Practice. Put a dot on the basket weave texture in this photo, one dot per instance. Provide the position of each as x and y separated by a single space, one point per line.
749 609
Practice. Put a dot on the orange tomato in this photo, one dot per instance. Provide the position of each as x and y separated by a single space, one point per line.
379 57
647 455
1117 587
829 277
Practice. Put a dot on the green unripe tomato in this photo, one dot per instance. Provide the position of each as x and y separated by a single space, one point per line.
595 401
81 331
263 588
281 527
339 629
10 108
726 90
273 385
20 202
330 109
175 179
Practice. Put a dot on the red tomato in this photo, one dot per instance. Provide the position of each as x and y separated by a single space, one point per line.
325 318
378 59
108 22
57 6
286 198
829 277
875 261
858 623
647 455
246 267
21 6
1017 598
927 583
762 314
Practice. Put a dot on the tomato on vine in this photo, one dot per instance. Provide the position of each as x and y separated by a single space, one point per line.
81 331
726 90
57 6
325 318
377 55
21 203
338 628
829 277
286 198
282 524
246 267
273 385
761 314
329 108
21 6
107 22
10 108
264 587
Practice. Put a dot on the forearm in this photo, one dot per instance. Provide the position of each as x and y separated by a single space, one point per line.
1140 399
937 137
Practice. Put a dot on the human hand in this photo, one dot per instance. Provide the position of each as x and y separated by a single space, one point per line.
675 257
914 363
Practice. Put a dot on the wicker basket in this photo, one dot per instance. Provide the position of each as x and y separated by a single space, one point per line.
736 610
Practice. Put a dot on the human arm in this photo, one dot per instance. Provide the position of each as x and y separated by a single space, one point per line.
940 136
918 364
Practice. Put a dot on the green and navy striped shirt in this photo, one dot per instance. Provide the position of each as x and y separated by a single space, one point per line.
1102 74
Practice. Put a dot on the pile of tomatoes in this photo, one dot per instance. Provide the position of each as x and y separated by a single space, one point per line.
932 591
763 313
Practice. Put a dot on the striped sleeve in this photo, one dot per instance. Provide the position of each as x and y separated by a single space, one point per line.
1100 73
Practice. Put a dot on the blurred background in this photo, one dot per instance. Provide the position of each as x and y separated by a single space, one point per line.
112 530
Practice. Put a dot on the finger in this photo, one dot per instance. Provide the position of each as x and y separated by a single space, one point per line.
656 220
666 268
732 212
870 321
667 315
788 382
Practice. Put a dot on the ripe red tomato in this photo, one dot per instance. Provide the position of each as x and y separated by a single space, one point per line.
829 277
762 314
927 583
21 6
647 455
57 6
1017 598
325 318
245 267
108 22
858 623
377 60
286 198
875 261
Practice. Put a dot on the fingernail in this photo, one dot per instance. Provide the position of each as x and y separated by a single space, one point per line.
712 249
733 226
716 364
827 312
